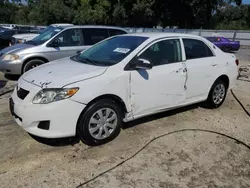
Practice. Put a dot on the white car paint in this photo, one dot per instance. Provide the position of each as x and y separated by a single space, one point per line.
25 37
143 92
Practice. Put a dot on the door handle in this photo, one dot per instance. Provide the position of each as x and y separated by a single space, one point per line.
214 65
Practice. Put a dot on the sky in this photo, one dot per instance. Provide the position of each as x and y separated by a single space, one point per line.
246 1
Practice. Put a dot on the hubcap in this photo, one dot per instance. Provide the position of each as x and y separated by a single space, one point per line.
219 93
102 123
32 66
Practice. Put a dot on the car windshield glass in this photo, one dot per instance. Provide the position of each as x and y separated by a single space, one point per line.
45 36
46 29
111 51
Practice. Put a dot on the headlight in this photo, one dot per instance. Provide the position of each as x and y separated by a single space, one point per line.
10 57
46 96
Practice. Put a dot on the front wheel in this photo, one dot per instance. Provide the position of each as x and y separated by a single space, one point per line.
216 95
32 64
100 123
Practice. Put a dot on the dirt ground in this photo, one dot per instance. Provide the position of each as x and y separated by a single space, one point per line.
181 158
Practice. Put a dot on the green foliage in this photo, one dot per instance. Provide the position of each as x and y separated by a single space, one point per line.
209 14
233 17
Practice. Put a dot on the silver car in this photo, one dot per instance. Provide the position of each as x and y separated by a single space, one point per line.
55 43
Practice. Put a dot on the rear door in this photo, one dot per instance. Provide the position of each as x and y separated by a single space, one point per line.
70 42
201 68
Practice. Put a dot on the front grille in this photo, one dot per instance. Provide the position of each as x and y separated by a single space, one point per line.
22 93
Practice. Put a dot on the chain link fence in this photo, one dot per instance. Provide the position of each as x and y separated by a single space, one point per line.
242 36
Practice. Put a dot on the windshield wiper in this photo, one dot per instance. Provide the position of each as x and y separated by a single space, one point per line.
90 61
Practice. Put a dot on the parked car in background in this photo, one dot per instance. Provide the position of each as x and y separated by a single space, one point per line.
28 29
21 38
55 43
225 44
8 26
6 36
118 80
2 29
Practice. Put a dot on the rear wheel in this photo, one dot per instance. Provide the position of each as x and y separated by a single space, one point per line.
100 123
32 64
216 95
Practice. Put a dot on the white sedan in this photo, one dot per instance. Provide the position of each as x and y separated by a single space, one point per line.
118 80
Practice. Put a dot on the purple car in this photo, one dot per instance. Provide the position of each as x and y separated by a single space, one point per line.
225 44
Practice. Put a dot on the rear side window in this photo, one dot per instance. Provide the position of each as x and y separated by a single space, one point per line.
113 32
196 49
94 35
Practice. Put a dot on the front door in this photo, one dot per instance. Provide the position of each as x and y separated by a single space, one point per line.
69 42
163 86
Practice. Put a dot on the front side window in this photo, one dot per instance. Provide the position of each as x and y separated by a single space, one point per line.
111 51
70 37
163 52
196 49
94 35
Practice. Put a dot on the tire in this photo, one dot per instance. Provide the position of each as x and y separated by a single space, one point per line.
217 95
91 120
32 64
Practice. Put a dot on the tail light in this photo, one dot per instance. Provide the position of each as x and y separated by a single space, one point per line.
237 62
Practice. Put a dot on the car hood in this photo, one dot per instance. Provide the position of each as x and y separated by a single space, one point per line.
60 73
15 48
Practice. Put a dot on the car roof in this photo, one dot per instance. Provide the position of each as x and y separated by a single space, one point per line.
156 35
61 25
98 26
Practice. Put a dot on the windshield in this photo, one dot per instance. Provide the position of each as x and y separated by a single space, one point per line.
45 36
111 51
46 29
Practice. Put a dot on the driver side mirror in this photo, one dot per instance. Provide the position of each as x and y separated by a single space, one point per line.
54 44
142 64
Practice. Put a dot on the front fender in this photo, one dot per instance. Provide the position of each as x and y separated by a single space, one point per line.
107 84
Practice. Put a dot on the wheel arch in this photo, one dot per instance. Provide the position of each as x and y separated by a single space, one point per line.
225 79
119 101
32 58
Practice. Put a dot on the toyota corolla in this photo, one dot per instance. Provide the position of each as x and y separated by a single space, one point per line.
118 80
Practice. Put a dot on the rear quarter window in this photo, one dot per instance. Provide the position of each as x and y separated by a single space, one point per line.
196 49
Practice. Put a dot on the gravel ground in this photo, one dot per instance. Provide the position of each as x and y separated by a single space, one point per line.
180 159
